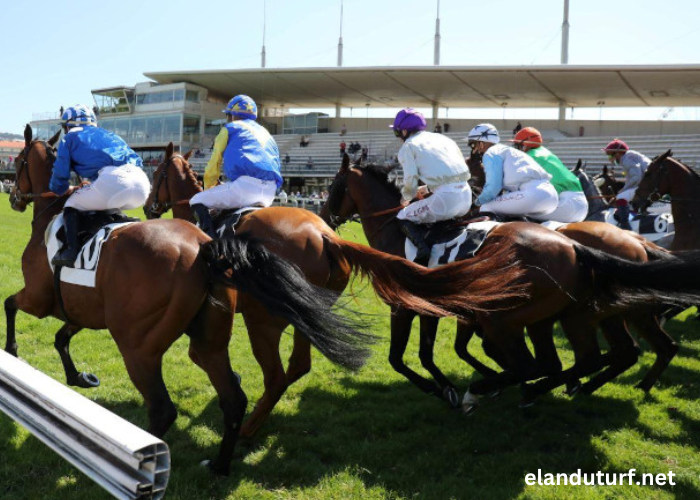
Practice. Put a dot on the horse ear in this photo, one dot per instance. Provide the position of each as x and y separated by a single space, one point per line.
169 150
578 165
54 139
585 165
28 133
345 165
605 169
187 155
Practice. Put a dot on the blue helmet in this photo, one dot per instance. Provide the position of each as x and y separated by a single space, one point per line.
242 106
410 120
78 116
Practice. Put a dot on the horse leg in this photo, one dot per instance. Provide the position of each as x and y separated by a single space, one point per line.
663 345
300 359
401 320
622 356
11 316
62 345
145 371
520 366
541 335
265 340
426 354
209 341
465 331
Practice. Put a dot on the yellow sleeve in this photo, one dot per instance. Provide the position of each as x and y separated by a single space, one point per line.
213 170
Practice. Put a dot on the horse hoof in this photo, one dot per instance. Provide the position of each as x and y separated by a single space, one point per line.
526 403
450 395
238 377
213 468
644 387
495 394
469 409
88 380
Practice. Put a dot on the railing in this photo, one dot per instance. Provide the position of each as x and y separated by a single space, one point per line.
46 115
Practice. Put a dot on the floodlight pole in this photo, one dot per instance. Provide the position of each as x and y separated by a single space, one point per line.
263 45
436 55
565 35
340 39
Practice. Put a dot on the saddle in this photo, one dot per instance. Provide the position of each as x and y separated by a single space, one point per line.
226 221
90 222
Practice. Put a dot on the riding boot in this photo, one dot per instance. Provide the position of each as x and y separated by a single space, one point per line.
622 215
66 257
416 234
203 218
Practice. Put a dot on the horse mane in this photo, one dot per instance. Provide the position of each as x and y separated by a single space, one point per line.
190 174
681 164
381 174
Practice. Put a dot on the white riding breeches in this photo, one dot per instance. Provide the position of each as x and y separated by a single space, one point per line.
243 192
122 188
534 198
446 202
627 194
572 207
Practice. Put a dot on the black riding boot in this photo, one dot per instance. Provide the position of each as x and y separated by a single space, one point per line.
203 218
623 217
416 233
66 257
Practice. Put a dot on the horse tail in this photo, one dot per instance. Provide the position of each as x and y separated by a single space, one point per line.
245 264
478 284
673 280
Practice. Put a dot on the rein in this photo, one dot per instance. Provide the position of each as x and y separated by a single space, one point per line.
29 197
156 205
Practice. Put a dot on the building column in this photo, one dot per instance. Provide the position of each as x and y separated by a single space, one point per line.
337 110
435 114
562 113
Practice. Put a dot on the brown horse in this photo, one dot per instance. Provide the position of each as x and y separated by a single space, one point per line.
159 279
667 176
623 244
557 272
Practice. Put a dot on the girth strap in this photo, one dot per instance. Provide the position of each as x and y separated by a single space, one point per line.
57 289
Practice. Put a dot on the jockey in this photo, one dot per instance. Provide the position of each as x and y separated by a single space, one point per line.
251 163
528 190
573 205
634 165
435 160
113 169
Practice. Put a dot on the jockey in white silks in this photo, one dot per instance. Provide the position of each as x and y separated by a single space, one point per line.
251 162
573 205
112 170
437 162
525 185
634 165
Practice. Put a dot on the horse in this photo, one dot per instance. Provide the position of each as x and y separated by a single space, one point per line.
555 270
159 279
667 176
611 239
607 183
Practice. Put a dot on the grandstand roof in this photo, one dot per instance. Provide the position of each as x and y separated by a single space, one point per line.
454 86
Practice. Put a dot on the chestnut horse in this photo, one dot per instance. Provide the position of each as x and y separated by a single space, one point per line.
624 244
557 271
159 279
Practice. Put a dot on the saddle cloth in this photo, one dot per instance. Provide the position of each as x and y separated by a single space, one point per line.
226 221
84 271
459 244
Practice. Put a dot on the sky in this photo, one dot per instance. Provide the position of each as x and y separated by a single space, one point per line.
53 53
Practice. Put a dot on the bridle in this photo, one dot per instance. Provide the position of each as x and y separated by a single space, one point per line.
157 208
28 197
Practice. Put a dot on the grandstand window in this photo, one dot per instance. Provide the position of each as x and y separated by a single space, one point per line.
192 96
137 132
179 95
171 128
213 127
190 128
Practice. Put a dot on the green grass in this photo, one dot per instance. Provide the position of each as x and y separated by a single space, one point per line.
338 435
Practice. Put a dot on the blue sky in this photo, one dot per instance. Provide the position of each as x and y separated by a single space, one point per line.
54 53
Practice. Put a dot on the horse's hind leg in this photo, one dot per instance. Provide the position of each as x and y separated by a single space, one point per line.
265 340
209 339
300 359
11 316
465 331
62 345
622 356
663 345
426 354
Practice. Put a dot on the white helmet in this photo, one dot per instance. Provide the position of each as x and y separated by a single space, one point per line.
484 132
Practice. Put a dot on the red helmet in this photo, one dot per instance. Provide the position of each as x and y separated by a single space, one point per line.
616 146
529 136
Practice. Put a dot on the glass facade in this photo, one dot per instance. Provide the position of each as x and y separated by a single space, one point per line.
115 101
301 124
168 96
44 131
190 128
145 130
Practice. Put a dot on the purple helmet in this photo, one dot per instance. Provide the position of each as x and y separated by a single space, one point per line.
410 120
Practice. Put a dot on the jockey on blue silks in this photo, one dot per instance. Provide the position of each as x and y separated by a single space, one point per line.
634 165
251 163
113 169
437 161
527 190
